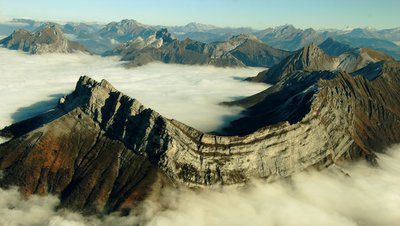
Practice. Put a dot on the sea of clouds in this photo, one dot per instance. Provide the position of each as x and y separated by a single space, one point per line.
31 84
366 196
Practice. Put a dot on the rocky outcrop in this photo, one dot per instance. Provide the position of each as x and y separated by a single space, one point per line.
125 30
102 150
49 39
312 58
240 50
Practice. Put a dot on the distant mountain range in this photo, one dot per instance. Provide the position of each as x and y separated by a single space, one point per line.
49 39
313 58
105 38
240 50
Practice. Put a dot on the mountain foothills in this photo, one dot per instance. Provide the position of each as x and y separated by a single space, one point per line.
103 151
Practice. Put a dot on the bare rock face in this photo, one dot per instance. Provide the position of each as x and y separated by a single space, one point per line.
241 50
49 39
102 150
313 58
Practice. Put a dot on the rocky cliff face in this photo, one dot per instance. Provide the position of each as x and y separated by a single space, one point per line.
49 39
102 150
125 30
312 58
240 50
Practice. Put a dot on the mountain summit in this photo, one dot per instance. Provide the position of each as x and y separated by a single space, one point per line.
49 39
313 58
240 50
101 151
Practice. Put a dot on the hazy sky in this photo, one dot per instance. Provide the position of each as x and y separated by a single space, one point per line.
235 13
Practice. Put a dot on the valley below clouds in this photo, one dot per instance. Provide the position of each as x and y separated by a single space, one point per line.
32 84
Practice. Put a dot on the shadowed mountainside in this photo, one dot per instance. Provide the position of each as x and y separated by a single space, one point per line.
101 150
312 58
240 50
49 39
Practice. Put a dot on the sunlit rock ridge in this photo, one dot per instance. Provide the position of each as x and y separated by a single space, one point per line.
101 150
49 39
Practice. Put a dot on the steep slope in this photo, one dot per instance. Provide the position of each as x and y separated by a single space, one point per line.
49 39
334 48
254 53
289 38
161 37
182 52
103 151
292 97
312 58
240 50
126 30
363 38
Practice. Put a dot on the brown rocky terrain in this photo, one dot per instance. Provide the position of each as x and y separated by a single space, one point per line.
241 50
101 150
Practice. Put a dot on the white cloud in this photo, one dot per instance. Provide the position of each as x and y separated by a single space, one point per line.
187 93
370 196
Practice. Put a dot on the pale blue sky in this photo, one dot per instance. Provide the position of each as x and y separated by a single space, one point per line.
255 13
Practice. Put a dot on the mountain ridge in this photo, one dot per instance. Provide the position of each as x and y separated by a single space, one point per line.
239 50
48 39
101 38
313 58
97 140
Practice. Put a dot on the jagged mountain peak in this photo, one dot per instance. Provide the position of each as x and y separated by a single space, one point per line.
126 23
51 30
48 39
125 30
309 58
20 31
310 50
384 68
312 57
100 150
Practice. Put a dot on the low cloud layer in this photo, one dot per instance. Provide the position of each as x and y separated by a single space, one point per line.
369 196
31 84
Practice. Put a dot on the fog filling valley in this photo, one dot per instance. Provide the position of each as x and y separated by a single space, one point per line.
32 84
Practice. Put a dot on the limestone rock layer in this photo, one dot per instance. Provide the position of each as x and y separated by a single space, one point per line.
101 150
